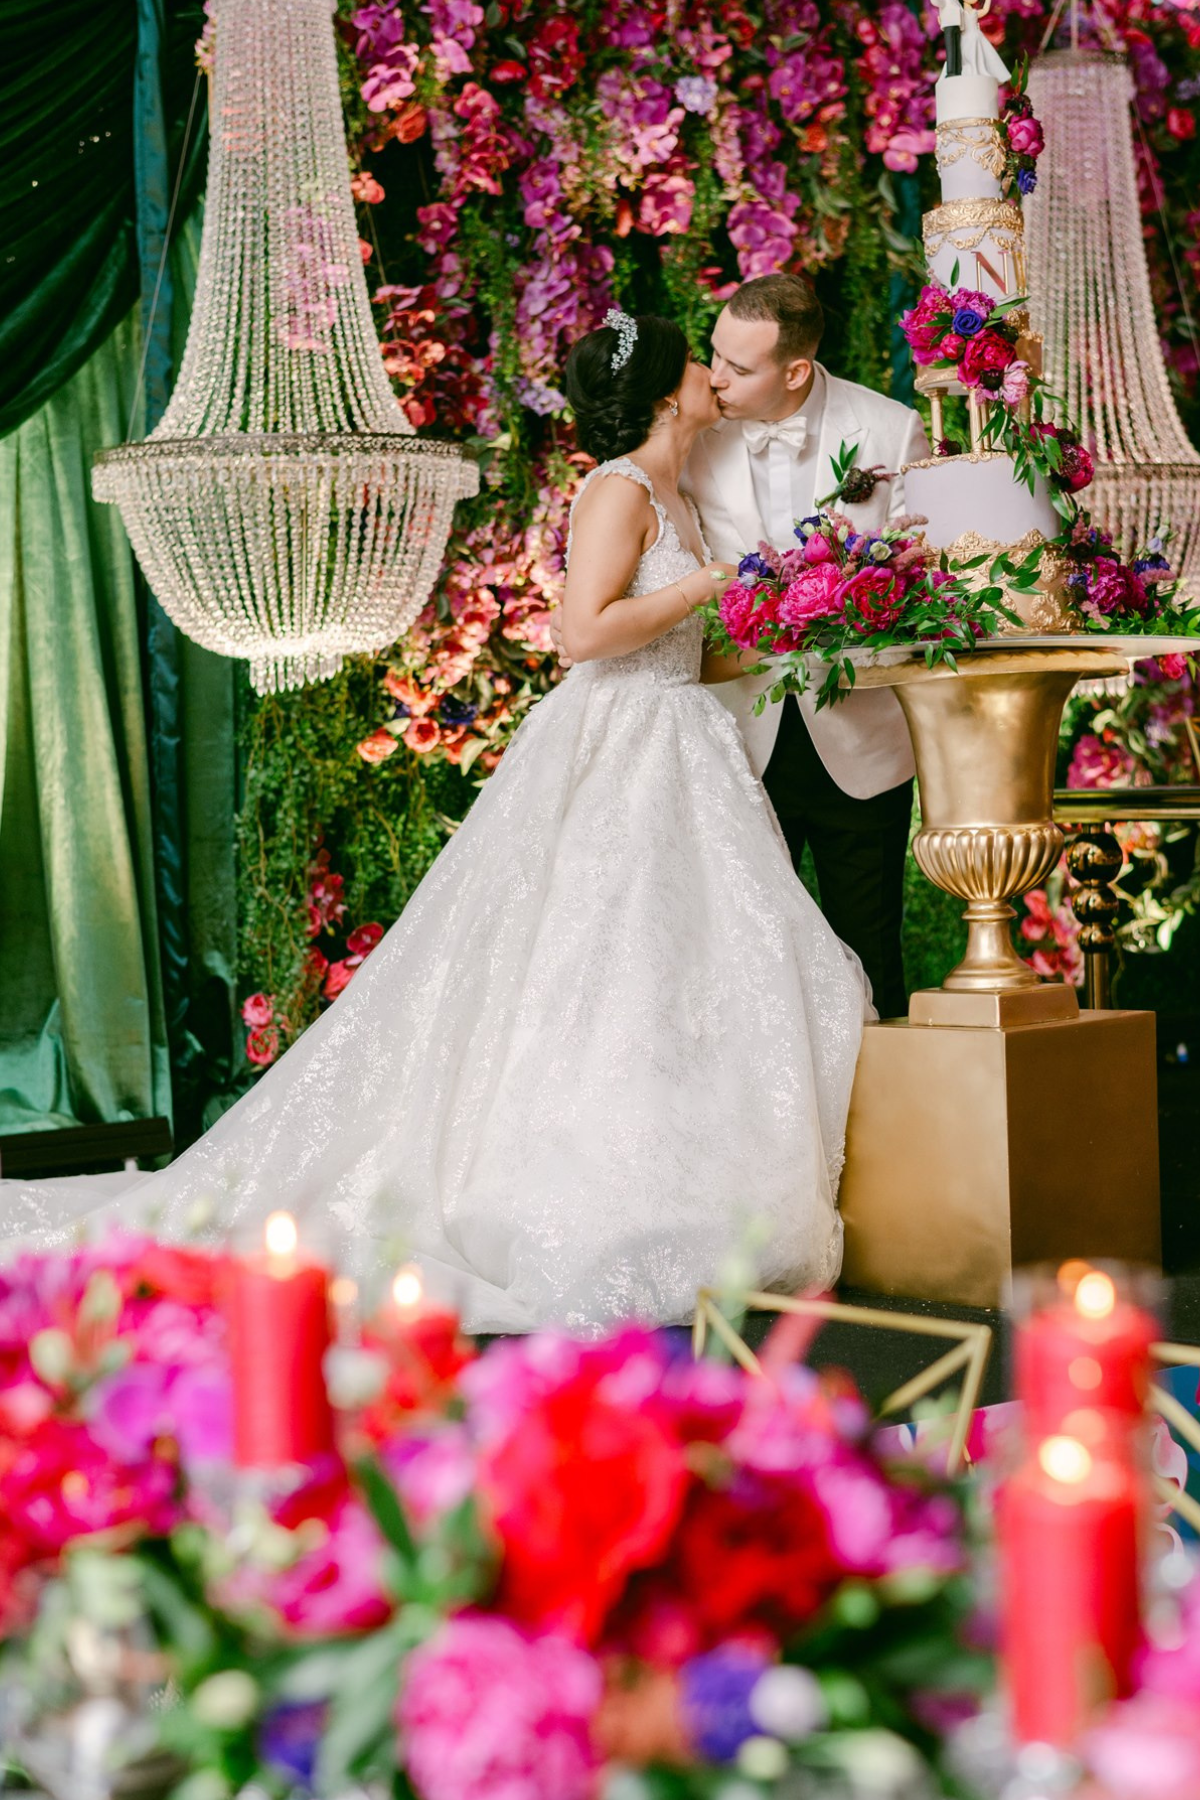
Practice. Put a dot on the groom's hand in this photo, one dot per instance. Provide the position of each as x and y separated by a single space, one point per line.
556 638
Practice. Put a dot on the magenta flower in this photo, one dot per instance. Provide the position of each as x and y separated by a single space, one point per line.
486 1713
666 207
813 595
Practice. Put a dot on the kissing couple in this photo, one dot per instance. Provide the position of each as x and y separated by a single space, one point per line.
612 1038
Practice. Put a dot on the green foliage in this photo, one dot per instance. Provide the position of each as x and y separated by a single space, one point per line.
306 785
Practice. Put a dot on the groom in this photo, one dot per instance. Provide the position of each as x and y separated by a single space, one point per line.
840 780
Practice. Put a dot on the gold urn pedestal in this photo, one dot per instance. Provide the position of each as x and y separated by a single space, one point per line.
998 1124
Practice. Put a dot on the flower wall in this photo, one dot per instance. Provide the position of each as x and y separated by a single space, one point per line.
518 169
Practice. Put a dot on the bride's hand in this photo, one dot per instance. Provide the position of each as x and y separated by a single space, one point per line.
556 638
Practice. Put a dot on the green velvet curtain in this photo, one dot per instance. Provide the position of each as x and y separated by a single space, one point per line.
83 1028
68 201
117 735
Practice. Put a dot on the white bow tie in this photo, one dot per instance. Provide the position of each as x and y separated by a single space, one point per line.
793 432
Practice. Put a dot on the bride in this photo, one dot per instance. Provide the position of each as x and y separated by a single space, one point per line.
611 1034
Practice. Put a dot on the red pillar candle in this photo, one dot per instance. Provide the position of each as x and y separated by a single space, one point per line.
278 1310
1070 1517
1090 1348
1069 1528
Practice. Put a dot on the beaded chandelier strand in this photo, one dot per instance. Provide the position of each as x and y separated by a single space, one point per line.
283 509
1090 298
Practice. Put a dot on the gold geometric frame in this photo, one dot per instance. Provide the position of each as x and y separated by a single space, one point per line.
972 1347
1176 1356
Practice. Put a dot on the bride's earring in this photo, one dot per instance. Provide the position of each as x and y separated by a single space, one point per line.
674 409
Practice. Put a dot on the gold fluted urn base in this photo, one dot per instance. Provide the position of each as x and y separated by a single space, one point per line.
985 737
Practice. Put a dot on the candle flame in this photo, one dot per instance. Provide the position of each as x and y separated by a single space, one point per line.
1065 1459
281 1235
407 1286
1096 1296
1072 1273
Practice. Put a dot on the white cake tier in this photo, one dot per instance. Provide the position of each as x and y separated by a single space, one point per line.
966 97
970 159
977 494
986 238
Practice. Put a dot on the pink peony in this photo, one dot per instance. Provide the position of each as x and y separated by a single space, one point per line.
813 595
952 346
877 595
743 614
1015 386
985 359
1026 136
1173 667
486 1713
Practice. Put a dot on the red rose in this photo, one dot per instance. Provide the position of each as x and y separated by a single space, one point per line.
1181 123
422 736
986 358
258 1010
751 1558
506 72
378 747
584 1491
952 346
262 1047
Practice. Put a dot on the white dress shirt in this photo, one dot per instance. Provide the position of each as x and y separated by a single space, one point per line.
784 477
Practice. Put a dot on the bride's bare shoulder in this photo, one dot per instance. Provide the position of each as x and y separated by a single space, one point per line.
615 500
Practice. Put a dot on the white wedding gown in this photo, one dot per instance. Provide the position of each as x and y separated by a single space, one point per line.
610 1039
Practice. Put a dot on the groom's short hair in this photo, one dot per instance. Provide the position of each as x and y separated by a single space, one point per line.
790 301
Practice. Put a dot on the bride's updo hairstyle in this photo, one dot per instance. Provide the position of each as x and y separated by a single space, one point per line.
614 410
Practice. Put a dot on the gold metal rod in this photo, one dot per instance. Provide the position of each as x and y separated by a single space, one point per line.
928 1379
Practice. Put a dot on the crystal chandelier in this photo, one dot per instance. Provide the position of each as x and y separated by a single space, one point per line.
283 509
1089 294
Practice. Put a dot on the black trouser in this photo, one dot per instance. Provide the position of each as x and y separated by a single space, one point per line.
858 849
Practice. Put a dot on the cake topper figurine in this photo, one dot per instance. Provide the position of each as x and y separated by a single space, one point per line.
967 50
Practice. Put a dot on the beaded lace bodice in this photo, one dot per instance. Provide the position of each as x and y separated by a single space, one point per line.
675 656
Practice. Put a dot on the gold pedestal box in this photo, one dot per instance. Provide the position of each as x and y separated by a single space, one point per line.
973 1150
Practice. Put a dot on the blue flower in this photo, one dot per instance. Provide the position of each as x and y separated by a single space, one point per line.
805 527
755 565
455 712
290 1738
1026 180
968 322
715 1692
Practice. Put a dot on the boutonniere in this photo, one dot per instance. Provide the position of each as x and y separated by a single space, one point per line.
854 485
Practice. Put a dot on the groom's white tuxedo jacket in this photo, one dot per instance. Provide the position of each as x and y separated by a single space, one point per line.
863 740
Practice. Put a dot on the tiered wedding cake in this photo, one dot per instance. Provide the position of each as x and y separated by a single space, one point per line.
972 498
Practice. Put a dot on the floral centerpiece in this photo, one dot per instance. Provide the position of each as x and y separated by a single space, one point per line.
841 589
524 1571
